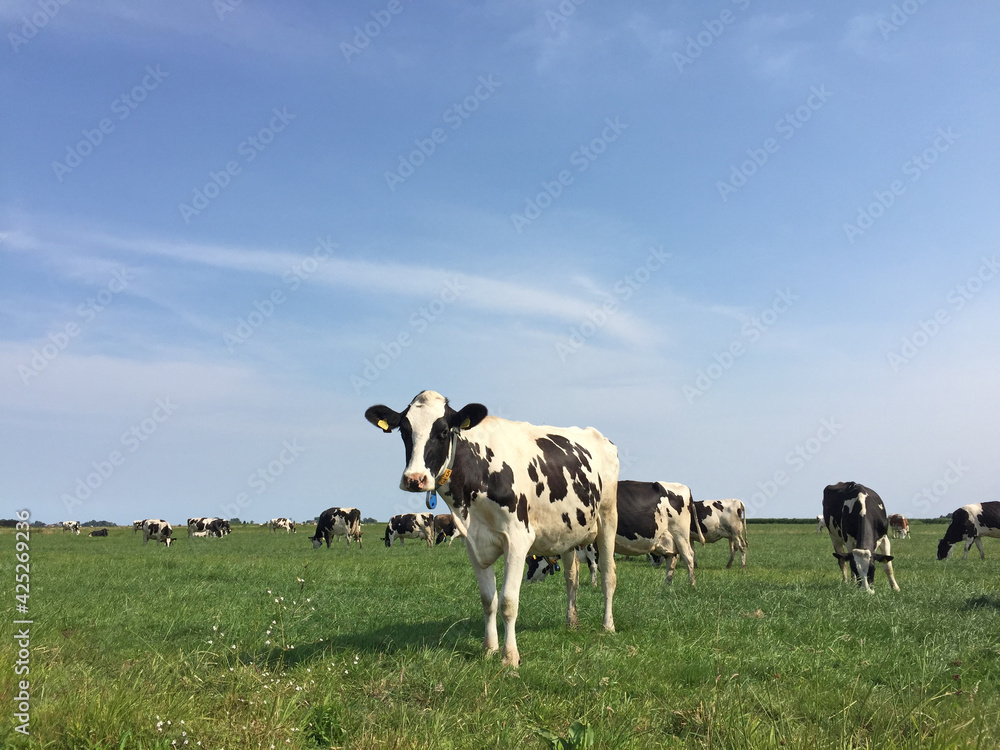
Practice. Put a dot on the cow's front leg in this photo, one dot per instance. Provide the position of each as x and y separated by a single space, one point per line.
510 594
571 573
979 546
487 581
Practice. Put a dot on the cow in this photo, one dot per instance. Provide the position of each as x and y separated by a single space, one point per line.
137 525
282 523
157 530
969 524
723 519
539 567
856 518
444 528
71 526
514 489
410 526
208 526
820 524
899 525
99 532
656 518
338 522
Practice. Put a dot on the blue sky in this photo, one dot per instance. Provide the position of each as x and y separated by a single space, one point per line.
754 243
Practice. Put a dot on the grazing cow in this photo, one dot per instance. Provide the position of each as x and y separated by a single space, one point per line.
723 519
410 526
539 567
820 524
859 527
514 489
137 525
969 524
157 530
338 522
899 525
71 526
217 527
99 532
444 528
657 518
282 523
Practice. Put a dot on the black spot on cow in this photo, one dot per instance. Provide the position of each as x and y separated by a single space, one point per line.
676 501
500 488
562 458
532 473
637 503
581 517
522 510
565 518
990 517
717 504
703 511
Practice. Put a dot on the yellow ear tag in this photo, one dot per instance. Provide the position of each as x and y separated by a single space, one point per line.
445 476
384 425
465 424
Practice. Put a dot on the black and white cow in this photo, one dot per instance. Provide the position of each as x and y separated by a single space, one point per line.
859 528
158 530
282 523
338 522
656 518
514 489
820 524
137 525
538 566
724 519
99 532
208 526
410 526
444 528
71 526
969 524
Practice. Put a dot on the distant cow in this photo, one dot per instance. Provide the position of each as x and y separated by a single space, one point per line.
820 524
99 532
337 522
656 518
539 567
208 526
137 525
71 526
969 524
410 526
514 489
899 525
723 519
444 528
856 518
282 523
158 530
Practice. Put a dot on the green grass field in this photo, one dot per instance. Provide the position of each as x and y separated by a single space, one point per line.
259 641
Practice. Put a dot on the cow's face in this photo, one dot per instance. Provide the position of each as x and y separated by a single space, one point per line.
426 427
168 540
944 549
317 542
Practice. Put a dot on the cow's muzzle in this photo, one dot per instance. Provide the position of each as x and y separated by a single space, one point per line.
415 482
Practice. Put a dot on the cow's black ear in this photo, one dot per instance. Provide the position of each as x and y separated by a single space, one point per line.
841 556
468 416
383 417
882 558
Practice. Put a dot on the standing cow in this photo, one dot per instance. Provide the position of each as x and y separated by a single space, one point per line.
338 522
514 489
859 527
282 523
71 526
656 518
410 526
969 524
158 530
137 525
724 519
444 528
820 524
899 525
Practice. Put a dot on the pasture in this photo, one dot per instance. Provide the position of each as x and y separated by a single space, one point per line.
257 640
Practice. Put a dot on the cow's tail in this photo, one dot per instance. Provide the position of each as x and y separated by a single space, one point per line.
695 522
741 511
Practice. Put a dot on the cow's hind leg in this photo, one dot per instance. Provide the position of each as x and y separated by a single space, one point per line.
979 545
571 573
732 552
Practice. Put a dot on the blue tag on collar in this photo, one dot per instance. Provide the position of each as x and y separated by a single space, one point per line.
432 500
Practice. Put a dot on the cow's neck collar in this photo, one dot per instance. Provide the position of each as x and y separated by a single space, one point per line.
443 479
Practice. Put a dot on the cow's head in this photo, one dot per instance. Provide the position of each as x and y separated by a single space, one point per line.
944 549
168 540
862 566
539 567
426 426
388 535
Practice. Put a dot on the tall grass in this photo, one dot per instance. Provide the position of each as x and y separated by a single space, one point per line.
258 640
